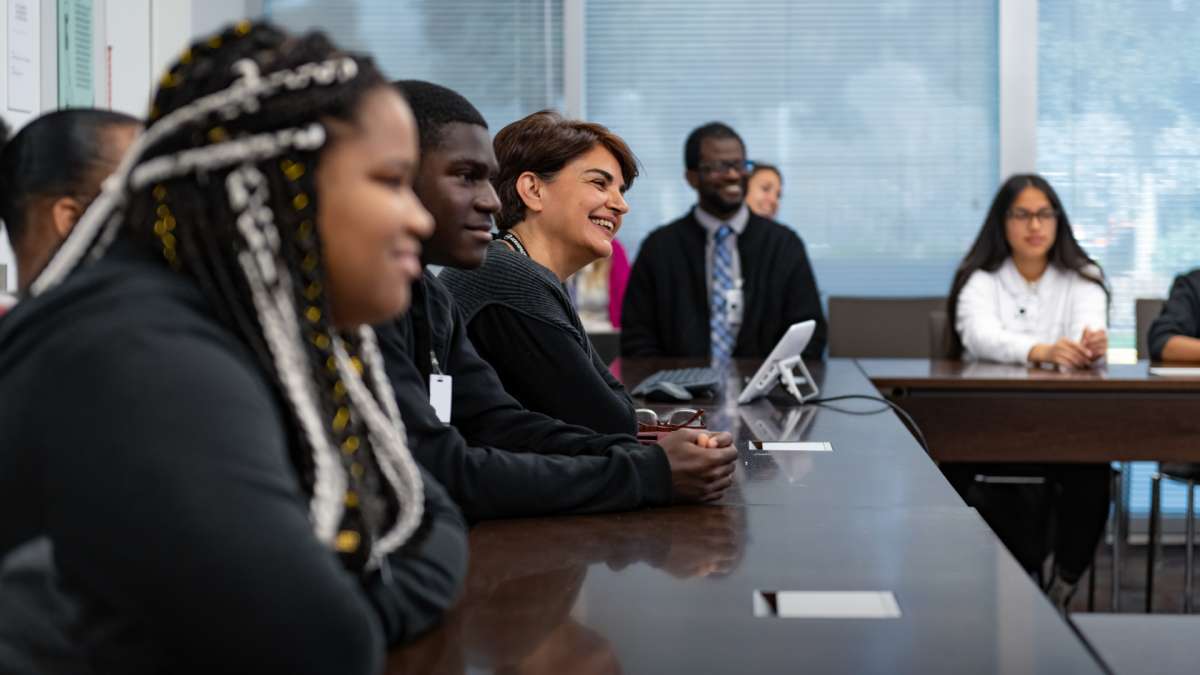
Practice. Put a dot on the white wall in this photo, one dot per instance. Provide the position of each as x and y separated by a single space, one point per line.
133 41
1018 86
127 50
212 15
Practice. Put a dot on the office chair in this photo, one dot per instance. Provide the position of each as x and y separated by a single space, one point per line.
1146 310
1189 474
865 327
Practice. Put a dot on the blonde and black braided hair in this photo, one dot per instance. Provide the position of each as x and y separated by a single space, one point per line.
222 186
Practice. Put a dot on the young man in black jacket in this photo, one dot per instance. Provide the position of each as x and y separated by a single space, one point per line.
496 458
721 281
1175 334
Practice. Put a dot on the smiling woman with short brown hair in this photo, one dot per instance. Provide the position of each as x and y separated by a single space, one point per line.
561 184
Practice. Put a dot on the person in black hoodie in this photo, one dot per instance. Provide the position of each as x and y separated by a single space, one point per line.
1174 336
496 458
1175 333
682 301
49 173
195 412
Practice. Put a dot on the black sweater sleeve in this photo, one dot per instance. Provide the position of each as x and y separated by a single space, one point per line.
493 483
1180 315
546 369
639 335
486 415
426 573
187 514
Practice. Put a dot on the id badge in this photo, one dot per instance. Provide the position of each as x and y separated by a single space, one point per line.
733 306
441 391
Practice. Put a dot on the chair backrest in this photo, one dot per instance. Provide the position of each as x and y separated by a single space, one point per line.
1146 310
939 339
607 344
881 327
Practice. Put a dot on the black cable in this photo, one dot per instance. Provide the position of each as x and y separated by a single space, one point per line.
912 424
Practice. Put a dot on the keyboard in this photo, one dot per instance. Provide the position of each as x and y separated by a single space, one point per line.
698 381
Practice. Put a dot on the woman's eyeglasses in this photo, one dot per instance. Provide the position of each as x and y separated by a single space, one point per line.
682 418
1046 216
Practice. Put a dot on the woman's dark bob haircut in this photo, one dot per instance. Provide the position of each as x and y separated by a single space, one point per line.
544 143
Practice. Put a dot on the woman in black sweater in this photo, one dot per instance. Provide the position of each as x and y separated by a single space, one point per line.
193 411
561 185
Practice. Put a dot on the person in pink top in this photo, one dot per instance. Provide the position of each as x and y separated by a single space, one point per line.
618 278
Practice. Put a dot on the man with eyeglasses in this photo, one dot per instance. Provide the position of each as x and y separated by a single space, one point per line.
720 282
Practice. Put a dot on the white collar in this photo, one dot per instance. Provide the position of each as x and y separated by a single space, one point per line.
712 223
1016 284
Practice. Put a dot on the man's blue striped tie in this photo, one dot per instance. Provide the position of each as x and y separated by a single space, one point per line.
722 283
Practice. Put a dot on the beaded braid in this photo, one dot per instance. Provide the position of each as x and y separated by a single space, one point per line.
256 254
348 426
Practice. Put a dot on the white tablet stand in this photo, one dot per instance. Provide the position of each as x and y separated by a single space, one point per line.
786 369
780 364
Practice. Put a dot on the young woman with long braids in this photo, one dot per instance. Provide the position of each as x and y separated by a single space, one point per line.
194 410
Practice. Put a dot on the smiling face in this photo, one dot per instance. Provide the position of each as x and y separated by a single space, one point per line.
1031 225
368 217
583 205
455 184
763 192
720 178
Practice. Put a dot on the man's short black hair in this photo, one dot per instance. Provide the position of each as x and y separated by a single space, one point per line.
435 106
691 149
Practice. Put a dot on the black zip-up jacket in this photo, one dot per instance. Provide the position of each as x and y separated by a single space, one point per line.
1180 314
520 320
141 437
497 458
666 308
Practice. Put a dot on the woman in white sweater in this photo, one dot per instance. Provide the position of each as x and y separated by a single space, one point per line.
1027 293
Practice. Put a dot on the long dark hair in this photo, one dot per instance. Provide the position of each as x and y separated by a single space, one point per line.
60 154
991 247
221 188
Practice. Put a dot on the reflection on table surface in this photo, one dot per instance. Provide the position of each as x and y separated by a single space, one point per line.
670 590
515 615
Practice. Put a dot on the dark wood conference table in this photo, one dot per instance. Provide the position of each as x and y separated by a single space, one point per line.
1134 644
671 590
993 412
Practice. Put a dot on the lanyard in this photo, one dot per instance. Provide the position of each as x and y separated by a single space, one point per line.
511 239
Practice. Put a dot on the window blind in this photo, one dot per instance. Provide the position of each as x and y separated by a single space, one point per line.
505 56
882 116
1119 138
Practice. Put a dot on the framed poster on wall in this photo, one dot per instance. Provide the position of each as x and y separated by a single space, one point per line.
76 70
